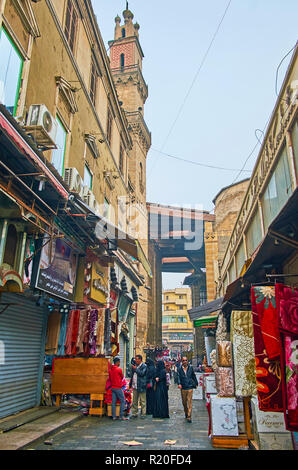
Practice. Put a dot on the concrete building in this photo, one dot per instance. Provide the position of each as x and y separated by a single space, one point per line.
177 329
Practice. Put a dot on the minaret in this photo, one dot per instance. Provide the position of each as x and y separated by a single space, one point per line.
126 58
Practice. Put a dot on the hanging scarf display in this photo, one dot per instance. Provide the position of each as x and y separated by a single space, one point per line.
268 371
224 353
243 353
221 330
287 307
62 335
92 332
82 324
225 381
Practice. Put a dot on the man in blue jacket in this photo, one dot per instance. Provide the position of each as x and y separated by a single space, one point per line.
138 383
187 381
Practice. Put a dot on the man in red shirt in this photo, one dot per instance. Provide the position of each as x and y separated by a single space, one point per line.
116 377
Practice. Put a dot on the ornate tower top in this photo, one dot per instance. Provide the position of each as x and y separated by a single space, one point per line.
128 29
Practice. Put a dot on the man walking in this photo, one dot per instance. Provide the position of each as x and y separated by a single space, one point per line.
187 381
138 383
116 377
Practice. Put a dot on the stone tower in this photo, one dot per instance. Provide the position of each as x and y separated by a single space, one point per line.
126 58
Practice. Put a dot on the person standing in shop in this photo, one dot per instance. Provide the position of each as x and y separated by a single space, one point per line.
187 381
116 377
138 383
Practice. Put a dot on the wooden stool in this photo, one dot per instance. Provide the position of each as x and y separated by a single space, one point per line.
96 409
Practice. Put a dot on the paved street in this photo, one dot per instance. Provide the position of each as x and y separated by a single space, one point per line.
93 433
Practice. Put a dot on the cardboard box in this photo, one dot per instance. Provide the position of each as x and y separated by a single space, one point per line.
109 409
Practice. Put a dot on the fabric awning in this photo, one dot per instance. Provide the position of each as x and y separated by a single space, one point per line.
206 309
208 321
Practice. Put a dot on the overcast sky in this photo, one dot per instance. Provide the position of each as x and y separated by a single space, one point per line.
211 71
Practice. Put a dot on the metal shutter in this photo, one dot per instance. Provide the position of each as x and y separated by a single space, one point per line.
22 336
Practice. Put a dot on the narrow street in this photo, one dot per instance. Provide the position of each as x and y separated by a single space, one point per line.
92 433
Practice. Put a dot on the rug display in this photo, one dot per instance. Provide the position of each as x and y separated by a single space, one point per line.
243 353
268 370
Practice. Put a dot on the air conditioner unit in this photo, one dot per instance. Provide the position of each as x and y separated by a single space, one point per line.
90 200
73 179
41 125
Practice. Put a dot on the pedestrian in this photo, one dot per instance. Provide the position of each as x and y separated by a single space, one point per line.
168 374
187 381
116 379
150 378
138 383
161 407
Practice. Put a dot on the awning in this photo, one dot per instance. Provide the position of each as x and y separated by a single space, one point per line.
206 309
208 321
17 136
280 243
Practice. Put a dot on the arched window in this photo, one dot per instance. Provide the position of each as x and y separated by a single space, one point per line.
11 246
123 32
122 60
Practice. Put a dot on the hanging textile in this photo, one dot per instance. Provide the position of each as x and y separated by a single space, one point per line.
82 324
265 307
287 307
62 335
225 381
92 331
224 353
243 353
100 332
53 330
72 332
268 371
289 362
221 330
107 332
86 335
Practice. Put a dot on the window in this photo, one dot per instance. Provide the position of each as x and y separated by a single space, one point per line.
59 154
123 32
71 24
93 82
11 66
109 127
121 162
240 258
87 177
294 134
278 190
254 234
122 60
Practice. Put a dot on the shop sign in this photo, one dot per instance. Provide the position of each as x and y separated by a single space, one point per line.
57 269
96 282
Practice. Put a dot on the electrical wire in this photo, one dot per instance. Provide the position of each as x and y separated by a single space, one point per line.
197 163
195 77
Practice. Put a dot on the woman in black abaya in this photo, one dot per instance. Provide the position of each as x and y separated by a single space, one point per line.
150 394
161 407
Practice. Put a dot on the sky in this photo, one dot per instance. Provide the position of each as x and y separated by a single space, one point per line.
213 70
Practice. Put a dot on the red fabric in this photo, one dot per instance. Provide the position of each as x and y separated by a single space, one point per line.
75 331
116 377
268 371
287 307
289 366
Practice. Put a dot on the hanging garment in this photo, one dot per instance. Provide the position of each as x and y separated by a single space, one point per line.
53 331
224 353
287 307
62 335
265 307
100 332
86 335
243 354
92 332
72 332
268 371
225 381
82 324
